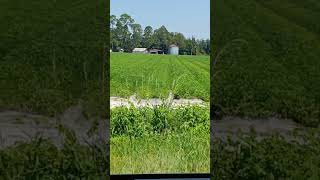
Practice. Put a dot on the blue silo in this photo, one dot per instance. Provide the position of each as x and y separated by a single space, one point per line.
173 49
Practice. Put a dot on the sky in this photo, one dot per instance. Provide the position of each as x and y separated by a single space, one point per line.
190 17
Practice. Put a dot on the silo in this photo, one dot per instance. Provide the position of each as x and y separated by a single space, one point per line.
173 49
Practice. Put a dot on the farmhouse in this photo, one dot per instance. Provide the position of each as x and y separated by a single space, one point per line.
140 50
156 51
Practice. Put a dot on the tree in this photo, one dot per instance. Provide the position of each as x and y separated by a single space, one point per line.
126 34
136 35
147 37
161 38
195 48
126 20
123 32
189 46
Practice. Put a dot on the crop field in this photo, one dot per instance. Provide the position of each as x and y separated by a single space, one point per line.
160 139
152 76
269 59
47 62
50 59
269 64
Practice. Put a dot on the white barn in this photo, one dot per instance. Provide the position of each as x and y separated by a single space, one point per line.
140 50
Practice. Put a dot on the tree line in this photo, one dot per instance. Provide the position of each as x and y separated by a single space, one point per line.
126 34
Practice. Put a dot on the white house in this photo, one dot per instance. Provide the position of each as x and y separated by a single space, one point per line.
140 50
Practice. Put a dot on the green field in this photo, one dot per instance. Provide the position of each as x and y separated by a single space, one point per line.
159 139
51 55
50 59
269 66
275 69
155 75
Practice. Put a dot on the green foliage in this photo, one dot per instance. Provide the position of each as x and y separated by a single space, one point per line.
160 140
51 54
186 152
277 70
41 159
127 35
139 122
273 157
156 75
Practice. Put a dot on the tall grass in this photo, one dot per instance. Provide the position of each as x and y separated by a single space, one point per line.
160 139
186 152
41 159
272 157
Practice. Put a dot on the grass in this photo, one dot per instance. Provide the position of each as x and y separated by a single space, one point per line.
160 140
41 159
277 70
51 56
273 157
49 53
155 75
174 153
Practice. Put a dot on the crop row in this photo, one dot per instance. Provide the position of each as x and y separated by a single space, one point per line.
156 75
47 63
273 68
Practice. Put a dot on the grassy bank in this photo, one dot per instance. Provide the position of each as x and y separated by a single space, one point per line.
160 140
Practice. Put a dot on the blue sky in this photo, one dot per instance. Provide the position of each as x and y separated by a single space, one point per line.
190 17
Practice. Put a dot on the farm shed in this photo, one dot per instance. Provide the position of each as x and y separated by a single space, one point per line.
140 50
156 51
174 49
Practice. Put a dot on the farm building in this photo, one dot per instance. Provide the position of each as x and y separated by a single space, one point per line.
140 50
174 49
156 51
